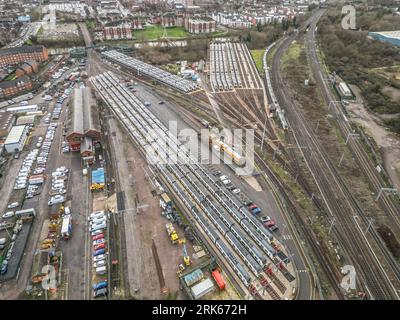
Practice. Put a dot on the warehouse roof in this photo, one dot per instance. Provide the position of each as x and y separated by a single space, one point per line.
23 49
15 134
84 121
78 111
31 107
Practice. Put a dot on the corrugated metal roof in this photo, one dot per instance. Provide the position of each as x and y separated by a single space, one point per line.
202 288
389 34
15 134
78 111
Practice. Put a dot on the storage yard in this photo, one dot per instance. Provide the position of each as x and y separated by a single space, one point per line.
151 71
231 66
217 213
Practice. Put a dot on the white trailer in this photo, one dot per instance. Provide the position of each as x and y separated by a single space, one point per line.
66 227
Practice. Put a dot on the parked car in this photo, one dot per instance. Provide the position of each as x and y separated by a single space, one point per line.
100 285
99 252
56 199
100 293
99 257
13 205
97 231
99 246
98 226
8 214
98 241
98 236
252 206
99 263
236 191
98 220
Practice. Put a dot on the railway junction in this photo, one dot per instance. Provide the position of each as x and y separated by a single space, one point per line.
247 247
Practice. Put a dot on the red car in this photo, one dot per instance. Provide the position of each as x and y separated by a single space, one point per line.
98 236
99 246
253 206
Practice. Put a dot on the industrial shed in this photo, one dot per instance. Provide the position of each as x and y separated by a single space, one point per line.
84 124
25 120
6 122
16 139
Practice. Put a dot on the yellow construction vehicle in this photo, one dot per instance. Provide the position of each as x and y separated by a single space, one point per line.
172 233
186 258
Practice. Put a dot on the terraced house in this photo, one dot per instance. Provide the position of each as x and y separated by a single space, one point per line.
13 87
22 54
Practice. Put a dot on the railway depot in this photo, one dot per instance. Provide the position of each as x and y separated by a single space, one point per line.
111 176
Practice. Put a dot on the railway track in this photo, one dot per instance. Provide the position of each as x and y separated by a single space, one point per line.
336 196
390 204
197 99
225 219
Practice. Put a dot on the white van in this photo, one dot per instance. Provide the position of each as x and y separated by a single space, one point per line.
101 270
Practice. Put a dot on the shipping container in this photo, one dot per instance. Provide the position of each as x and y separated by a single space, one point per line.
193 277
202 288
218 279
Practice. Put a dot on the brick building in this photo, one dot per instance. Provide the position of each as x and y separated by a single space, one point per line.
28 67
118 32
13 87
83 133
198 25
171 20
22 54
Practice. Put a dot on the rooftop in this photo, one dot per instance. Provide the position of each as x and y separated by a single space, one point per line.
13 83
15 134
6 118
23 49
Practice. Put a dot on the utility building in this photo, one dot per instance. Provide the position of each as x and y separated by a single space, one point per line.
84 131
16 139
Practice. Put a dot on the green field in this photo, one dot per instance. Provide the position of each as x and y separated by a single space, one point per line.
258 58
156 32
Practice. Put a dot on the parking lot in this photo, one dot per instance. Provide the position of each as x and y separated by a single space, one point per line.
40 181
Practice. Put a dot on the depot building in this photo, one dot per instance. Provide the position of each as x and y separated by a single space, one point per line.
16 139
